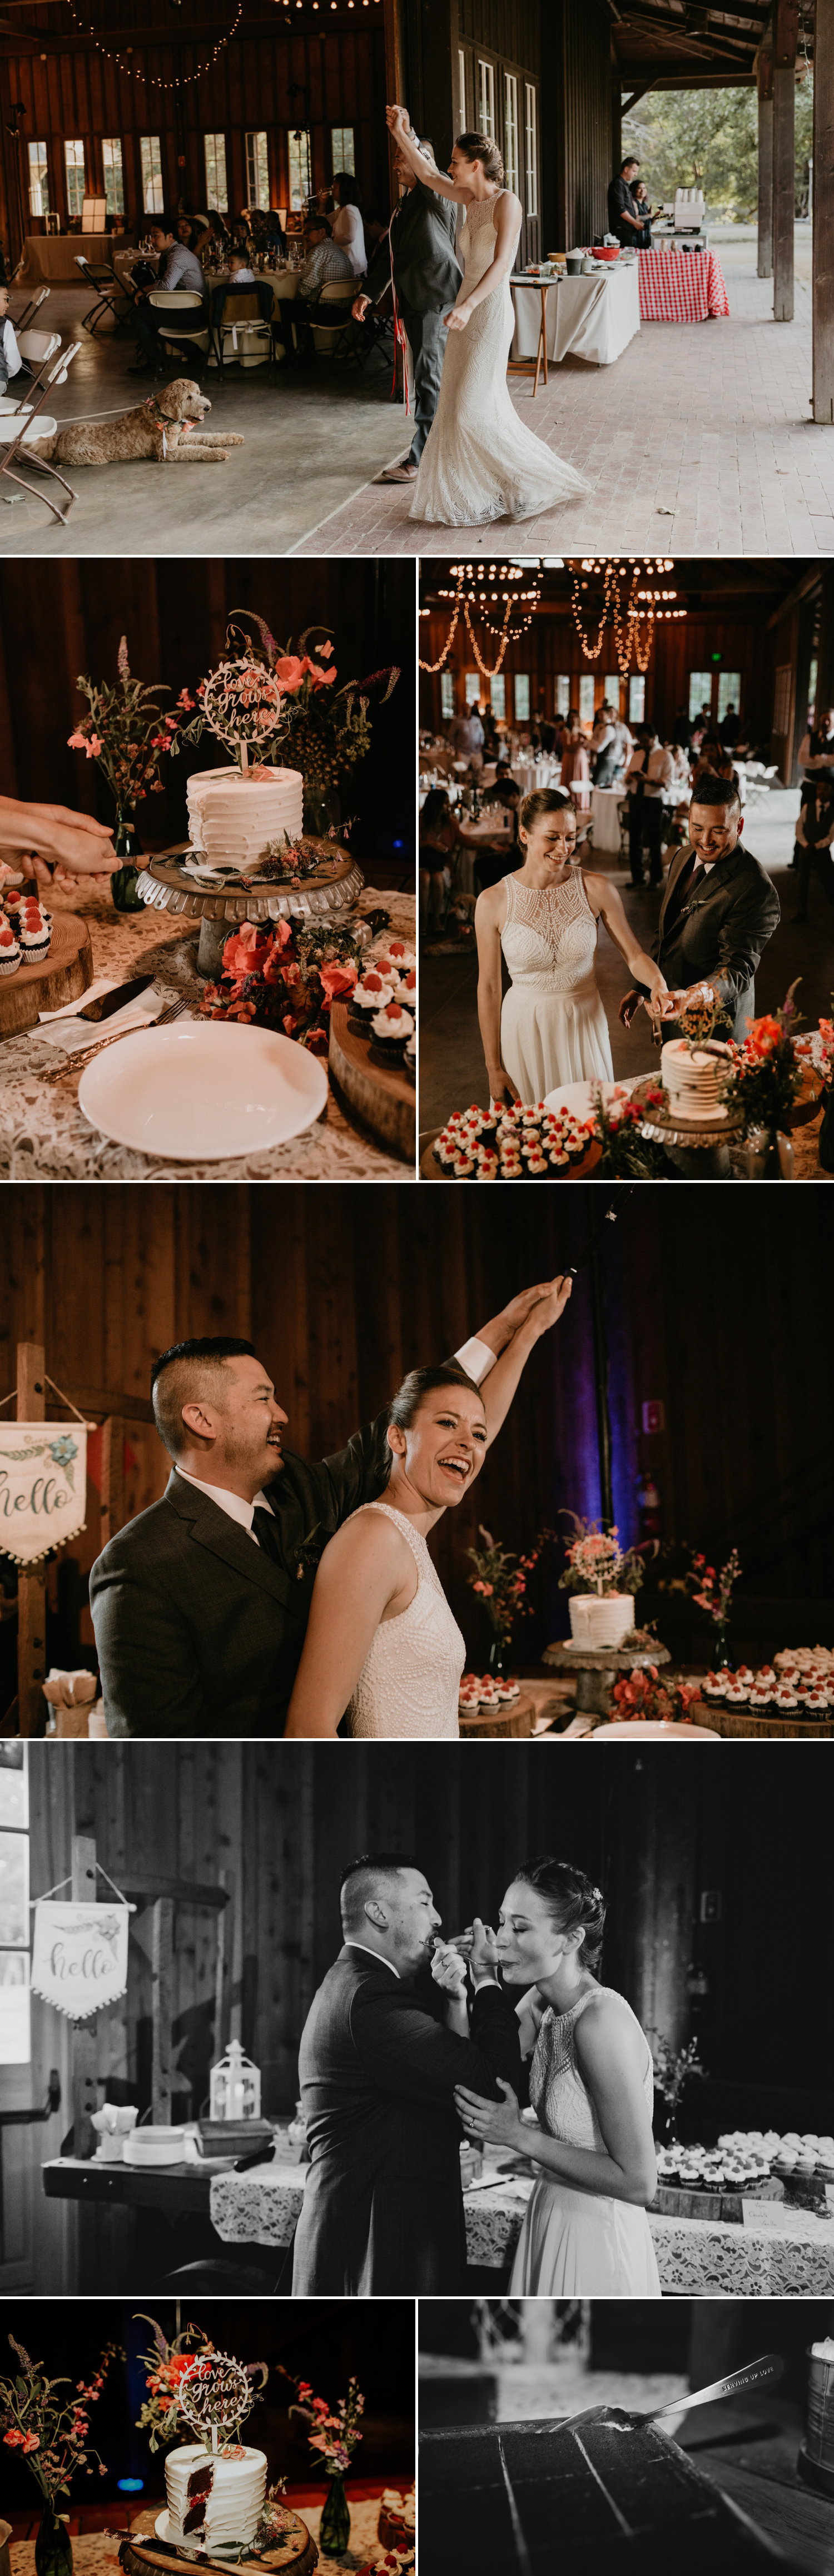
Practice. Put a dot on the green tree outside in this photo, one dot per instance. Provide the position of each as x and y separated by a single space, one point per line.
709 139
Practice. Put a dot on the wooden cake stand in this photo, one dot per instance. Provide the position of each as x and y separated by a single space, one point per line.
294 2555
700 1147
597 1667
61 976
328 895
382 1094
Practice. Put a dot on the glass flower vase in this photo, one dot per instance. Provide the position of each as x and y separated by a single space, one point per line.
53 2547
334 2528
499 1657
124 880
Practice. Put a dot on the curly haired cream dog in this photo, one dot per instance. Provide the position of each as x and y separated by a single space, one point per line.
167 427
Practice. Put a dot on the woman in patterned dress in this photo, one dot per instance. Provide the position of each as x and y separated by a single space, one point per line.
585 2231
551 1026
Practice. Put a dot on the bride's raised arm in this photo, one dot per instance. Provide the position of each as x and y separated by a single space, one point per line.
498 1388
399 125
363 1568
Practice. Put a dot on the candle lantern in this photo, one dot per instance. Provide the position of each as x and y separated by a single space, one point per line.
235 2086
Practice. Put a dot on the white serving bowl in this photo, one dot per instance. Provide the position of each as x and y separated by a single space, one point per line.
203 1091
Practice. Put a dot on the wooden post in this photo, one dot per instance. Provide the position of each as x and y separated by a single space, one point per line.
764 84
31 1581
823 215
784 92
162 1965
112 1477
85 2033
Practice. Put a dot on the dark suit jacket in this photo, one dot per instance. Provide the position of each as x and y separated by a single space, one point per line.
383 2211
720 934
426 272
198 1631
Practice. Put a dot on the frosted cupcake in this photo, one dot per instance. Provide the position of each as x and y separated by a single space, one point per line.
714 1686
372 990
35 931
736 1697
9 949
392 1025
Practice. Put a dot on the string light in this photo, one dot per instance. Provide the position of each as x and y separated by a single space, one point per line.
438 666
634 609
152 79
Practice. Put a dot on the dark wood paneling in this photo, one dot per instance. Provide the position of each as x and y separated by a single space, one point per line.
552 647
577 91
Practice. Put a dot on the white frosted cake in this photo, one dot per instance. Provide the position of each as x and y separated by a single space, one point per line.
232 818
693 1080
215 2499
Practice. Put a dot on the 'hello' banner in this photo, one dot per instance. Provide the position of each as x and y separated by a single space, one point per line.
79 1956
43 1487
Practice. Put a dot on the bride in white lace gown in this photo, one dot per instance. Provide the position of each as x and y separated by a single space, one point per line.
480 462
550 1027
382 1641
585 2232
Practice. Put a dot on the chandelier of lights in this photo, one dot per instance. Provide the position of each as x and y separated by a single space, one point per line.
120 55
633 602
501 586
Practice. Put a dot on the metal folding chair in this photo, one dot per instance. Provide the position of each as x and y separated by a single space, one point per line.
11 447
106 287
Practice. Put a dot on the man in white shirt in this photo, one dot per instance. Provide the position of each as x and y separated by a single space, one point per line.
650 777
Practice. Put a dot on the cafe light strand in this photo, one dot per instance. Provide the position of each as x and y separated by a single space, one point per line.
152 80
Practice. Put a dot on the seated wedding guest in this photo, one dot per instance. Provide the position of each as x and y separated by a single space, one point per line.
383 2208
418 249
625 218
438 835
718 912
324 263
466 735
814 836
11 363
178 267
200 1605
346 227
240 274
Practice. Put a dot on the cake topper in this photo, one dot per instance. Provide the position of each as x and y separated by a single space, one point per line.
243 703
214 2394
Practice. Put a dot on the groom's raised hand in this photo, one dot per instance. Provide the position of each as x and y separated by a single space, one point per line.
483 1954
502 1328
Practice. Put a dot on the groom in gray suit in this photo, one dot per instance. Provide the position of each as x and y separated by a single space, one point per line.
419 251
719 908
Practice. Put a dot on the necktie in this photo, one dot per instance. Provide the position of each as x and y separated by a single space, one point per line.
266 1533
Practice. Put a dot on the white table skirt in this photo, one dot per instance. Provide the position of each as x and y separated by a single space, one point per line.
587 317
605 815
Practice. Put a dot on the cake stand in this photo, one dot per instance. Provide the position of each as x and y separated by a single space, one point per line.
597 1668
699 1146
326 897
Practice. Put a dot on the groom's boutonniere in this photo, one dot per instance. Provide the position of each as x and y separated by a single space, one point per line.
310 1551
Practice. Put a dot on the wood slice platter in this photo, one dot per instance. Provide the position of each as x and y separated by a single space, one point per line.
294 2555
517 1718
383 1095
432 1170
61 976
727 1721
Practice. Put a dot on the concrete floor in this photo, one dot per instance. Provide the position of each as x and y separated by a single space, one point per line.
451 1061
313 438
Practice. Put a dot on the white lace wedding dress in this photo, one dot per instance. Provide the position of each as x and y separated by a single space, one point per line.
553 1025
408 1685
480 462
579 2244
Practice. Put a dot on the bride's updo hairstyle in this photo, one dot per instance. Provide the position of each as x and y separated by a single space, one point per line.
544 800
572 1900
405 1405
477 147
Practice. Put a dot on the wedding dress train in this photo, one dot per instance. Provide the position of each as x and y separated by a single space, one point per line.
553 1025
579 2244
408 1685
479 462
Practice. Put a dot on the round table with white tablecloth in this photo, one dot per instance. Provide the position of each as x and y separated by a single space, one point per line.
605 816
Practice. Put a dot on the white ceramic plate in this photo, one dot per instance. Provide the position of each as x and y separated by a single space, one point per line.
653 1726
202 1090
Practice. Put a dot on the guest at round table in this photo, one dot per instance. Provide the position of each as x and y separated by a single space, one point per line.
325 262
346 227
718 911
438 834
177 269
625 218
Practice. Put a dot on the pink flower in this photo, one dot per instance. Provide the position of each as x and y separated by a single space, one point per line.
325 651
290 671
185 699
13 2440
77 741
30 2442
337 979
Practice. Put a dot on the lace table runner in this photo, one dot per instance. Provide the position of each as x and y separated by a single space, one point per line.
96 2553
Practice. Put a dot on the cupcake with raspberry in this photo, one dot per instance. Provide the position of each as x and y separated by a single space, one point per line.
391 1025
372 990
9 948
714 1689
35 931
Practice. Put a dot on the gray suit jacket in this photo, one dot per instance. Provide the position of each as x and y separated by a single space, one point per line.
721 932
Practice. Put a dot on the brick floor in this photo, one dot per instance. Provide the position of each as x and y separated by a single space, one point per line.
697 440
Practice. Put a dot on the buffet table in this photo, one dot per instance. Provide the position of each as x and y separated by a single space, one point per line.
43 1133
584 317
681 286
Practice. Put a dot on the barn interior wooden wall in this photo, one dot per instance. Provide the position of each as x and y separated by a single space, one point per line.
174 614
272 75
342 1293
280 1823
551 646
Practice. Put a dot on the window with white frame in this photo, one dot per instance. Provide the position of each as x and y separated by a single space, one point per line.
15 2037
217 194
298 157
511 131
636 699
486 99
611 688
700 692
531 148
38 180
586 698
447 694
498 694
563 694
342 149
473 688
729 692
461 90
152 194
74 168
521 696
114 185
257 170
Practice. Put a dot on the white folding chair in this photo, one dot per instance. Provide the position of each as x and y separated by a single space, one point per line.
179 299
29 311
20 429
37 347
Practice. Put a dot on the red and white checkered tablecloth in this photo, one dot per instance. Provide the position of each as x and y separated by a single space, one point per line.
681 286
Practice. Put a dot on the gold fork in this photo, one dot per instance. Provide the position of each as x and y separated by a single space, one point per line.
76 1063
